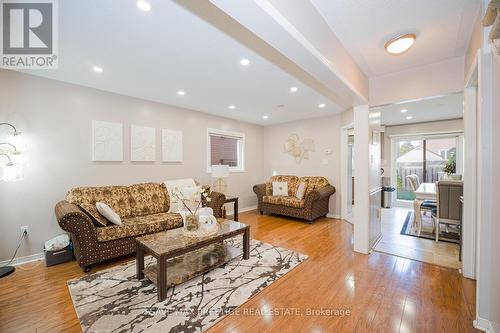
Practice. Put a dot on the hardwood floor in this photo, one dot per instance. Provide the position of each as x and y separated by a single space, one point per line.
426 250
382 293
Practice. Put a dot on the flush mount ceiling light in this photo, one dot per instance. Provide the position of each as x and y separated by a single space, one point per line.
294 89
244 62
322 105
409 117
400 44
232 107
181 93
97 69
144 5
265 117
404 110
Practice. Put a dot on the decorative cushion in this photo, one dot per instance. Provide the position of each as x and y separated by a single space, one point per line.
148 198
291 180
99 220
285 201
177 183
314 183
301 190
140 225
116 197
108 213
280 188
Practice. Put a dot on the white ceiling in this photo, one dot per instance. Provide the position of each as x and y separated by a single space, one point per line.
443 29
431 109
152 55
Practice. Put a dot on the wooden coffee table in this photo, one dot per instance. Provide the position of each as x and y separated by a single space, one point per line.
187 257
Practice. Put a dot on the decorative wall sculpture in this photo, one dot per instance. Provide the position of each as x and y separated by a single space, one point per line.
171 143
142 144
107 141
298 149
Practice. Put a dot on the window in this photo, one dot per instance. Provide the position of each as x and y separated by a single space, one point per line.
227 148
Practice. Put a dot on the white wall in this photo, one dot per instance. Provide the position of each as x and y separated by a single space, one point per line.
436 79
325 132
56 118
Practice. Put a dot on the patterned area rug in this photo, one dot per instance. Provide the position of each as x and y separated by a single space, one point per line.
114 301
427 230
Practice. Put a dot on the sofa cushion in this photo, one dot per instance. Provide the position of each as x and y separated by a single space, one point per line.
116 197
289 201
139 225
314 183
293 183
148 198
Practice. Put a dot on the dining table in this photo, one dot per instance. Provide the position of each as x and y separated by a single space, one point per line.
426 191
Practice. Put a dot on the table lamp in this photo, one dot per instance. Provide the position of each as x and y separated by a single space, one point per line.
220 172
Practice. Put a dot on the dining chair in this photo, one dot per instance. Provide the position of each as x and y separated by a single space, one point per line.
414 182
448 210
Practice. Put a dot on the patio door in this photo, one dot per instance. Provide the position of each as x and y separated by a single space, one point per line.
430 158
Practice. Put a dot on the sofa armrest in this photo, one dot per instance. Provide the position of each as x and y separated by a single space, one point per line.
260 190
217 199
320 193
73 220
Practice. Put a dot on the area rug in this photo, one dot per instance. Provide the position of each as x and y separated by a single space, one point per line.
113 300
427 230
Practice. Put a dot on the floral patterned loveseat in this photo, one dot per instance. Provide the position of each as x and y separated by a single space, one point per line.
312 206
143 209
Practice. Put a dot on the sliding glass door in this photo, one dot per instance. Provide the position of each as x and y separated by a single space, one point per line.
430 158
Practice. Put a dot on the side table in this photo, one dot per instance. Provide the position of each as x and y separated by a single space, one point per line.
234 200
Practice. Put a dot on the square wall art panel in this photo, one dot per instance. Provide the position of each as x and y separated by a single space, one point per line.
107 141
171 142
142 144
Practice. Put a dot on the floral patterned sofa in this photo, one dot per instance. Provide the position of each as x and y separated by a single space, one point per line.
312 206
143 209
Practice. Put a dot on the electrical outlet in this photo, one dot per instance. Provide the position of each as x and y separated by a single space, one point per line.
25 230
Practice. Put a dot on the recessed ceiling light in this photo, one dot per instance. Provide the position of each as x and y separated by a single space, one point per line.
404 110
181 93
244 62
322 105
400 44
232 107
97 69
294 89
144 5
409 117
265 117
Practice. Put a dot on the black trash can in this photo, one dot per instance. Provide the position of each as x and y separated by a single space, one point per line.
387 196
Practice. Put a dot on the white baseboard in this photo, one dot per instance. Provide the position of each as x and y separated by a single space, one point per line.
24 260
333 216
483 325
241 210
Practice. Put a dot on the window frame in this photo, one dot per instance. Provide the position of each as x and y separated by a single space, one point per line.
241 148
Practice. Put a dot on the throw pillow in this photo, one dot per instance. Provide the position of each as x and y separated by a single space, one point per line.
90 209
280 189
301 190
191 195
108 213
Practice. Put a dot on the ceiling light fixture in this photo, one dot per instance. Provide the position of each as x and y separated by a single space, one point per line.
294 89
266 117
409 117
400 44
322 105
97 69
232 107
404 110
244 62
181 93
144 5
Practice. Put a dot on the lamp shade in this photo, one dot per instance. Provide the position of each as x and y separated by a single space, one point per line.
220 171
